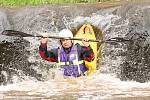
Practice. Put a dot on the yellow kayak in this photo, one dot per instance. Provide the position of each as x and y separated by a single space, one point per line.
86 31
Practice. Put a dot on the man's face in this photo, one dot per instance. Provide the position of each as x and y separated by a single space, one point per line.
66 43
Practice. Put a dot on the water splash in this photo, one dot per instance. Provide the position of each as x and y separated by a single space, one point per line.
105 84
105 87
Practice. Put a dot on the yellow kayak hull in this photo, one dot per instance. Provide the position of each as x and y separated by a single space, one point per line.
86 31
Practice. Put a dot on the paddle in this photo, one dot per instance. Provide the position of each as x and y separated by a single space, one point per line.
22 34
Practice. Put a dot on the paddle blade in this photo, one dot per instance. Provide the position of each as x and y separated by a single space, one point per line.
15 33
119 39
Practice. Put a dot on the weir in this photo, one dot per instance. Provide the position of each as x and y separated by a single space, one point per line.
123 69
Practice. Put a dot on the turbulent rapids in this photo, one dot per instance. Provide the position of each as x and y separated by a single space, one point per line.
122 72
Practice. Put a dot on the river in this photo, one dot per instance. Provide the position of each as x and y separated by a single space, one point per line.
122 73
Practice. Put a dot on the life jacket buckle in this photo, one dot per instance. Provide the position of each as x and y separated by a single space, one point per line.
69 63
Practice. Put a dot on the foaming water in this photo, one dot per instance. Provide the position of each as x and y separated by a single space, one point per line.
105 84
101 86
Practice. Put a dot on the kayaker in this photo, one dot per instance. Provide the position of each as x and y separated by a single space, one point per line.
69 56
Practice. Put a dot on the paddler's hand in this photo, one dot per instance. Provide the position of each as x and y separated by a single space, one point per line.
85 42
44 39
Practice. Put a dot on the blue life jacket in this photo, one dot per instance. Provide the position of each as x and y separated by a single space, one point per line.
71 62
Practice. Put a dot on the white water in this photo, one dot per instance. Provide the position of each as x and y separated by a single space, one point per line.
100 86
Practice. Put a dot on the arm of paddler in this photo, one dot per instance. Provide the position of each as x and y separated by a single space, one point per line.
87 53
47 55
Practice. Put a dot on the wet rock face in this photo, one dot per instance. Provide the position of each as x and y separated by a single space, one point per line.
14 62
136 65
11 59
129 61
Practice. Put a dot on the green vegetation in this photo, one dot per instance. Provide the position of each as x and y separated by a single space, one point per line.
41 2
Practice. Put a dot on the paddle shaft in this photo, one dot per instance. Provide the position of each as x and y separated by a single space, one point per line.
22 34
80 39
117 39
